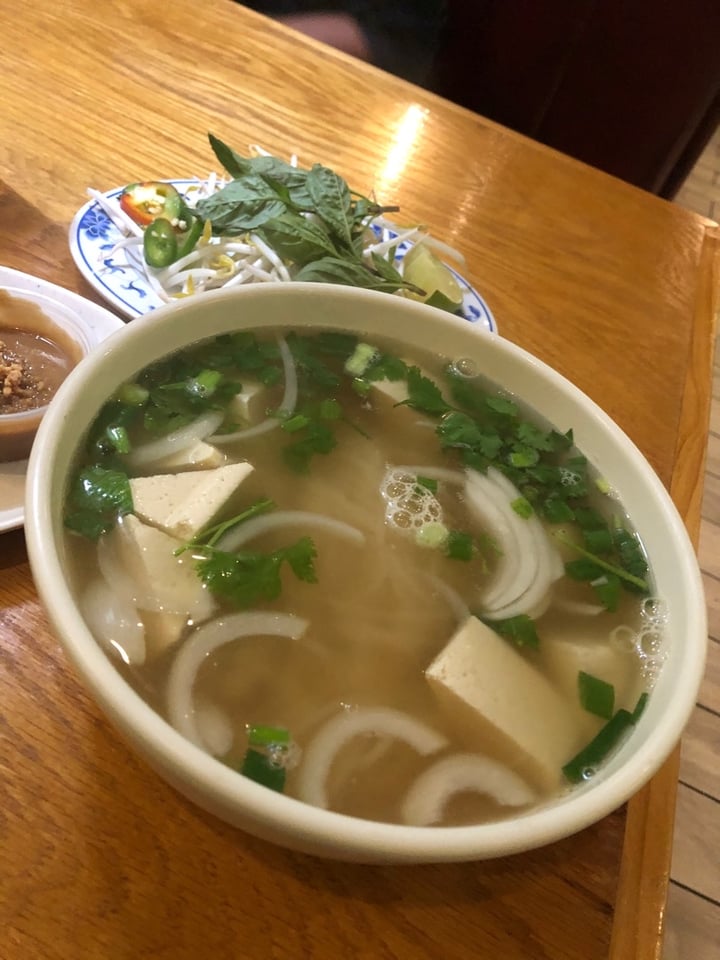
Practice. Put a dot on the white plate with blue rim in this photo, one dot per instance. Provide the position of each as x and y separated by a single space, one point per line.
116 274
98 322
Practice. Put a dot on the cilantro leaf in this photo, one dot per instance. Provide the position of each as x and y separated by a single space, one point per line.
423 394
96 499
249 577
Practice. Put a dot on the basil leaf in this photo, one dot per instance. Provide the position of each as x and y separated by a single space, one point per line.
235 165
331 198
294 237
336 270
241 205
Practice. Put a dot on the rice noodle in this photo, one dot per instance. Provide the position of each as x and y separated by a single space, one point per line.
311 785
114 621
255 527
426 799
174 442
287 404
204 641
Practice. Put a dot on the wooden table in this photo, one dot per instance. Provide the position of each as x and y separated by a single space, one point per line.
100 859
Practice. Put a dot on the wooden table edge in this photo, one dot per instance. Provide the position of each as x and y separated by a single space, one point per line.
637 932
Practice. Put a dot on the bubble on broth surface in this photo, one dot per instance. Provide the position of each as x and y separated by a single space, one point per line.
465 367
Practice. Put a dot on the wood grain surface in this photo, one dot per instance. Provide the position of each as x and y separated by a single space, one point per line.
612 286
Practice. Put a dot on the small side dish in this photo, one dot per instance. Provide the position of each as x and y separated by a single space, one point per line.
40 343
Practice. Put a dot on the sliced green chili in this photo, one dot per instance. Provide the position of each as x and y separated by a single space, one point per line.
160 244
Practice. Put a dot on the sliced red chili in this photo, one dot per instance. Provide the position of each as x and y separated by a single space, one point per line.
147 201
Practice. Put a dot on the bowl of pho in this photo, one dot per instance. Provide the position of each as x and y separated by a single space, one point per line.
362 580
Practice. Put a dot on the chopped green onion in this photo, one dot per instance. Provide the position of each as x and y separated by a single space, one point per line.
132 394
590 757
434 534
260 768
360 359
602 485
118 437
585 763
522 507
205 383
261 735
640 706
596 696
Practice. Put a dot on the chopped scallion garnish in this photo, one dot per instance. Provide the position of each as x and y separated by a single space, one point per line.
596 695
259 767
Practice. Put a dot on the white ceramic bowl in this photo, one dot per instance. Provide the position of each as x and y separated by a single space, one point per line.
240 801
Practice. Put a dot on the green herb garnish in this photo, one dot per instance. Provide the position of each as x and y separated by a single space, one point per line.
249 577
596 696
259 767
520 629
97 497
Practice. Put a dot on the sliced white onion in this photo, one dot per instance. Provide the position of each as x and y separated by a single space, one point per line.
538 563
214 728
206 640
244 532
518 562
114 622
287 404
178 440
331 738
426 799
535 600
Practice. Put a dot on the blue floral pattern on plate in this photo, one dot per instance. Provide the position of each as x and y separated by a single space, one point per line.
120 280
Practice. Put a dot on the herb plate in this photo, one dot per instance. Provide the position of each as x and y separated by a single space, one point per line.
118 276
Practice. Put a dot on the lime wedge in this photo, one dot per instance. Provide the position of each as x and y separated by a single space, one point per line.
423 269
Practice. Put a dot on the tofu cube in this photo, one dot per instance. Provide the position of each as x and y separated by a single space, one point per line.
182 504
500 703
248 406
164 580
